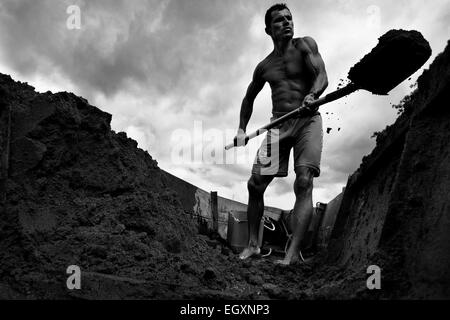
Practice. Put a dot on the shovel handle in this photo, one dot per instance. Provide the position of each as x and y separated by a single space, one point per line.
302 110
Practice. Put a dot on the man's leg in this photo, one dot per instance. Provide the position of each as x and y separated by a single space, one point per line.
256 187
302 214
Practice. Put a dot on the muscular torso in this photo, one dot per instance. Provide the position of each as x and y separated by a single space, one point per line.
288 76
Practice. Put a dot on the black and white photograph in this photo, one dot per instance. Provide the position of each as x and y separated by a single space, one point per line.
224 154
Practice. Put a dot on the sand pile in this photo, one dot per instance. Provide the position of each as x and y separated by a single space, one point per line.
79 193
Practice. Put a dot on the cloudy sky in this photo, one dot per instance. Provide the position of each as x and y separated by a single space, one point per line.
173 74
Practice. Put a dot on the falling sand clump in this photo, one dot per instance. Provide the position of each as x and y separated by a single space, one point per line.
398 54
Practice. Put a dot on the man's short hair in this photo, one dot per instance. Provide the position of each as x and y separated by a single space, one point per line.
275 7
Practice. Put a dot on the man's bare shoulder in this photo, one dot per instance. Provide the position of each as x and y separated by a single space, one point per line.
262 66
265 61
307 44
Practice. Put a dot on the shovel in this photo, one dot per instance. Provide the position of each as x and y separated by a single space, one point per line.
396 57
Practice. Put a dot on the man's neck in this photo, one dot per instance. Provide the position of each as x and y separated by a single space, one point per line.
281 46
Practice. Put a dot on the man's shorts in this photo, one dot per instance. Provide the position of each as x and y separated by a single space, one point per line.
304 134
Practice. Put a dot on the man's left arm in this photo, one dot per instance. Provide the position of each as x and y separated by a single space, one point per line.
316 66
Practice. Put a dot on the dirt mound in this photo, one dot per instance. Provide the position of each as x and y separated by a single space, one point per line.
80 194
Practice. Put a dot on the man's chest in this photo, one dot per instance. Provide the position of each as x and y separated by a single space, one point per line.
291 66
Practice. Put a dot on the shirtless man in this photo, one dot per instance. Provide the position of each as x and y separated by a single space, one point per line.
296 74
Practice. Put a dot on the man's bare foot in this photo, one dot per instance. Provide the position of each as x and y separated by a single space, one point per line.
248 252
287 262
291 260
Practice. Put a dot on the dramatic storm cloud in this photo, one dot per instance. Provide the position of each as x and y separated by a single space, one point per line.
173 74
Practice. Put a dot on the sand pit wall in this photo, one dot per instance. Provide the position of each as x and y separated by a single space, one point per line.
395 211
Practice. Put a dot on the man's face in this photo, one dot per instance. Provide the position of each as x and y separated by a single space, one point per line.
281 26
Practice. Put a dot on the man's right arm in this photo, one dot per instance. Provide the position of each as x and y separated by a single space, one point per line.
247 103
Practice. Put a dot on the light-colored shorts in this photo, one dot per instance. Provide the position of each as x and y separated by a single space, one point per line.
304 134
